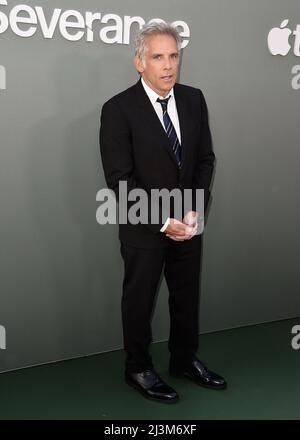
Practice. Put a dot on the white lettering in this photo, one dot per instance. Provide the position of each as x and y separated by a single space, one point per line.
2 338
4 23
128 22
117 28
297 41
184 33
109 206
296 79
138 213
122 199
89 20
124 430
73 25
296 339
156 20
48 31
2 78
15 20
78 24
161 204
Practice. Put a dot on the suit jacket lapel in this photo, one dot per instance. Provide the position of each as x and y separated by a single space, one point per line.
184 122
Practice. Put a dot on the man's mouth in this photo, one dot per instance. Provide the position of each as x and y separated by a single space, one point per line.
167 77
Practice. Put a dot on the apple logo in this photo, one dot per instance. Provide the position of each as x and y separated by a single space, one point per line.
278 40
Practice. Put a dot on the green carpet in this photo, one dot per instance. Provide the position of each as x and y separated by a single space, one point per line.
258 362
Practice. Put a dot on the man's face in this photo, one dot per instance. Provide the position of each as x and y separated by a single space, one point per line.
161 64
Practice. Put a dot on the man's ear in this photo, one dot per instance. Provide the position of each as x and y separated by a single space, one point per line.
138 64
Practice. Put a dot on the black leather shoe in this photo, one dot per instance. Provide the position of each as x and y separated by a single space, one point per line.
151 386
197 372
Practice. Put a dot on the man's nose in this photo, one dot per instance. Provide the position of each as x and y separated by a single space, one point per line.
167 65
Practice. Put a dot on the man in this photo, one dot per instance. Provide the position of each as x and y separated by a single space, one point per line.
155 135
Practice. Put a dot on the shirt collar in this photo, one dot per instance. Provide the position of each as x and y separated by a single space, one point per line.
153 95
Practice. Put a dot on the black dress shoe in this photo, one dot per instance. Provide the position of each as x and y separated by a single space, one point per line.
197 372
151 386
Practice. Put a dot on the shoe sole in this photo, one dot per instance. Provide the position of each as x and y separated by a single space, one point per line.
136 387
187 376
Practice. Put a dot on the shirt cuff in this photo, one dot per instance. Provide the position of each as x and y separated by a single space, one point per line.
165 225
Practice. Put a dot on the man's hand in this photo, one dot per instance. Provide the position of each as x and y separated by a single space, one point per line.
191 219
179 231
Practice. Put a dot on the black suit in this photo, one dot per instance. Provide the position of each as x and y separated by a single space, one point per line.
135 148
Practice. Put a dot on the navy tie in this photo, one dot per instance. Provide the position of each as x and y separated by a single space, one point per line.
170 130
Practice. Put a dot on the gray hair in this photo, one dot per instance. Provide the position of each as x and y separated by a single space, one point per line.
154 28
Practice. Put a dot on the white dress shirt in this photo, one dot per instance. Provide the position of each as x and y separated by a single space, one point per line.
172 109
172 112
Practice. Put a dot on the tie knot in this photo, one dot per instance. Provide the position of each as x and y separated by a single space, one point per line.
164 102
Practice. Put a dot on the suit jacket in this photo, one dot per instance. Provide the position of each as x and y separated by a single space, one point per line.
134 147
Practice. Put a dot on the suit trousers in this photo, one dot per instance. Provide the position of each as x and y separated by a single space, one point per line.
142 273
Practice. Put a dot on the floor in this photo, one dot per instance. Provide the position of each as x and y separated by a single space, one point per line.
258 362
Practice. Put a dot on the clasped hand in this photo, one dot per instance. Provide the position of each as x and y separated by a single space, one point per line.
185 230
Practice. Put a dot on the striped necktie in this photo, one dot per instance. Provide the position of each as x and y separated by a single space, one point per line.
170 130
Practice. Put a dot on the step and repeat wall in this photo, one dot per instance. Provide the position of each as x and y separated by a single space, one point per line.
60 270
